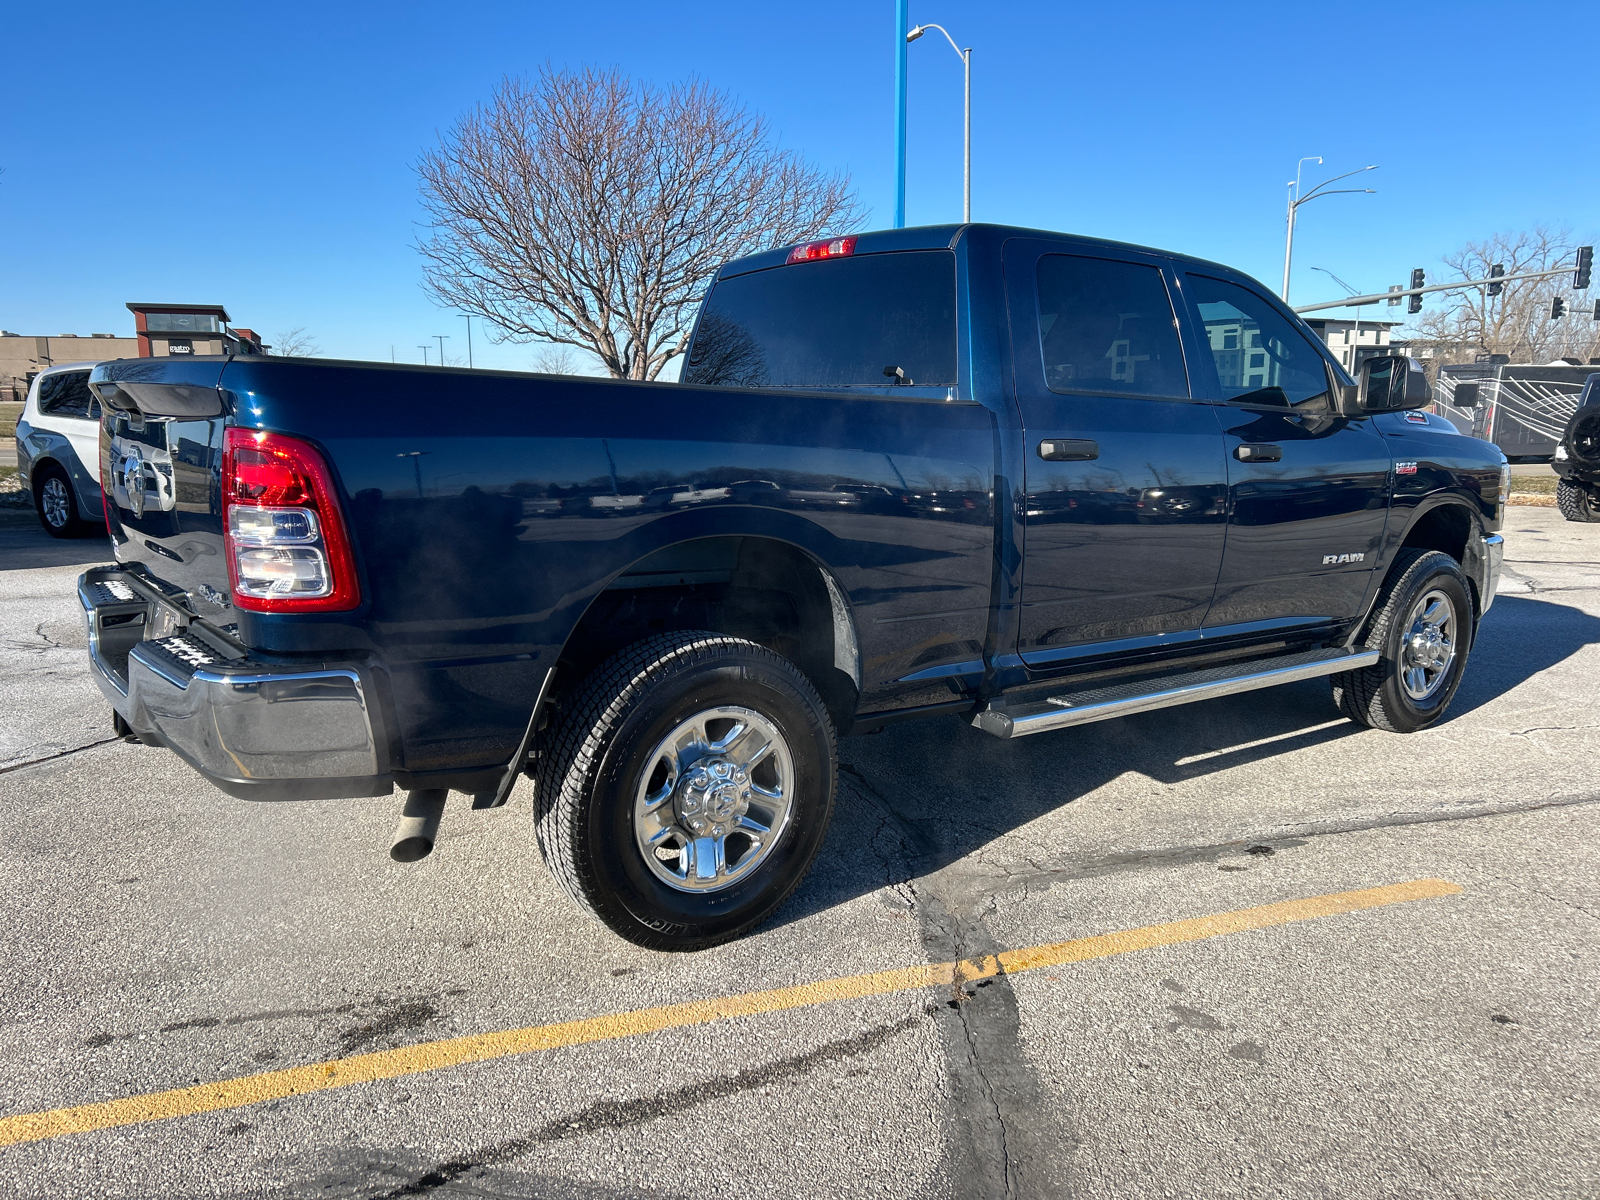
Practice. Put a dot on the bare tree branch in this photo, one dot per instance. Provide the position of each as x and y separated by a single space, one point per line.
295 343
588 210
1517 322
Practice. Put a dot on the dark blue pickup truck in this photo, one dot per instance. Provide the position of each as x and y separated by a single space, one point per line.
1029 479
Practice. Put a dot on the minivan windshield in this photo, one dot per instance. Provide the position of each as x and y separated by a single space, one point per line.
832 323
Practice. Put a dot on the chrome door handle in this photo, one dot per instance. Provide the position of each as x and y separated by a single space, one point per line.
1068 449
1257 452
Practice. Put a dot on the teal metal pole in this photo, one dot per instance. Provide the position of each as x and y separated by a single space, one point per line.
902 26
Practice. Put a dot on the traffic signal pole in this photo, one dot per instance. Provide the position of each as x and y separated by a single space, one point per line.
1458 286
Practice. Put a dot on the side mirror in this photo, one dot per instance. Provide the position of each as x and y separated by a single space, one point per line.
1392 383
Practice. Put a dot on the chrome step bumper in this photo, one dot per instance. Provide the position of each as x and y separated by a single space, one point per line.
256 730
1101 704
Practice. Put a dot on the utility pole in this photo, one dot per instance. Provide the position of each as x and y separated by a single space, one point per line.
468 318
441 337
902 19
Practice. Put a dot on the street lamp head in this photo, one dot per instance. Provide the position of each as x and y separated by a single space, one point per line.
914 34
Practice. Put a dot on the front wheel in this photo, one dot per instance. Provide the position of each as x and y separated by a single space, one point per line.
687 789
1576 501
1422 627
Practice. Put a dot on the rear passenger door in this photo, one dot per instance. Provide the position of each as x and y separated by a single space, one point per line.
1309 490
1124 475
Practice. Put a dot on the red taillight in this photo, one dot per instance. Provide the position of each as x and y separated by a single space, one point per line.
828 248
286 543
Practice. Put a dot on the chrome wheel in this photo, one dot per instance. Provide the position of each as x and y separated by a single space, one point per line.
714 799
1429 647
55 503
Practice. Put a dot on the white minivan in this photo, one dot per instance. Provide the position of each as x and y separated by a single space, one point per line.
58 450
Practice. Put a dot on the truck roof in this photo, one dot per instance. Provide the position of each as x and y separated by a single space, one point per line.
945 237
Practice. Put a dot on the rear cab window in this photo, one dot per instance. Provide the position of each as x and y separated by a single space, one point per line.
832 323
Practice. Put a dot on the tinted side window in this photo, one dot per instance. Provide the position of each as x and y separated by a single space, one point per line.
1258 356
65 395
832 323
1108 326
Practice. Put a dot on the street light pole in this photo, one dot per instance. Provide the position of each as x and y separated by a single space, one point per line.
1316 193
424 350
468 318
966 154
902 18
441 338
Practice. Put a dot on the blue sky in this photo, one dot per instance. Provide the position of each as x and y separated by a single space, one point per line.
263 157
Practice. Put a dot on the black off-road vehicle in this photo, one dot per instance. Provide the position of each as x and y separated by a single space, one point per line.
1577 459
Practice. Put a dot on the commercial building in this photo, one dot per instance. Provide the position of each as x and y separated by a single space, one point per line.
159 330
22 357
166 329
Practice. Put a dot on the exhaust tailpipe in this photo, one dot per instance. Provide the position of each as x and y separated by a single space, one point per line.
419 824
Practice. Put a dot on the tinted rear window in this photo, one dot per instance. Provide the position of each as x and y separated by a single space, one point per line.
65 395
834 323
1108 326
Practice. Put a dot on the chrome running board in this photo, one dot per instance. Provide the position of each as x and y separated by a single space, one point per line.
1101 704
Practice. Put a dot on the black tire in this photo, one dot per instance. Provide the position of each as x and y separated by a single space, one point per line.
1582 437
1377 696
592 762
54 501
1576 501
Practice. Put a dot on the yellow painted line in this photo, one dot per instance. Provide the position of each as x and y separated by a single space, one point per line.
451 1052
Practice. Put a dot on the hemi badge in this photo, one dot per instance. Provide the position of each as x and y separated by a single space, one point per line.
1417 418
1405 468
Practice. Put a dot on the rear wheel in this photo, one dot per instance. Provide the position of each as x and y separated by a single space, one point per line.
1422 628
1576 501
55 503
686 791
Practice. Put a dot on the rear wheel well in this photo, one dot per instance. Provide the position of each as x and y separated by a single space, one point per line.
767 591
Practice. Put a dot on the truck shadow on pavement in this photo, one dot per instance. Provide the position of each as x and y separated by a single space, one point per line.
922 796
24 545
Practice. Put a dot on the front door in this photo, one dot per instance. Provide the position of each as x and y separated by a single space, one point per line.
1309 488
1125 481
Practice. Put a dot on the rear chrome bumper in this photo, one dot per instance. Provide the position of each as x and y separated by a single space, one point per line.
258 731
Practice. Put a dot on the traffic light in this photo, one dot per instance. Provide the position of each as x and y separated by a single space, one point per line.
1597 310
1580 277
1419 278
1558 309
1495 272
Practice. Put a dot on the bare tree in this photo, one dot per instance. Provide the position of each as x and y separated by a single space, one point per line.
1517 322
295 343
555 360
590 210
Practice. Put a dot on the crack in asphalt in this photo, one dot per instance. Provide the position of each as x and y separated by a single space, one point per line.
627 1114
1283 836
34 762
995 1150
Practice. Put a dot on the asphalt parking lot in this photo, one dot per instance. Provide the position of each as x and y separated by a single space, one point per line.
1398 997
